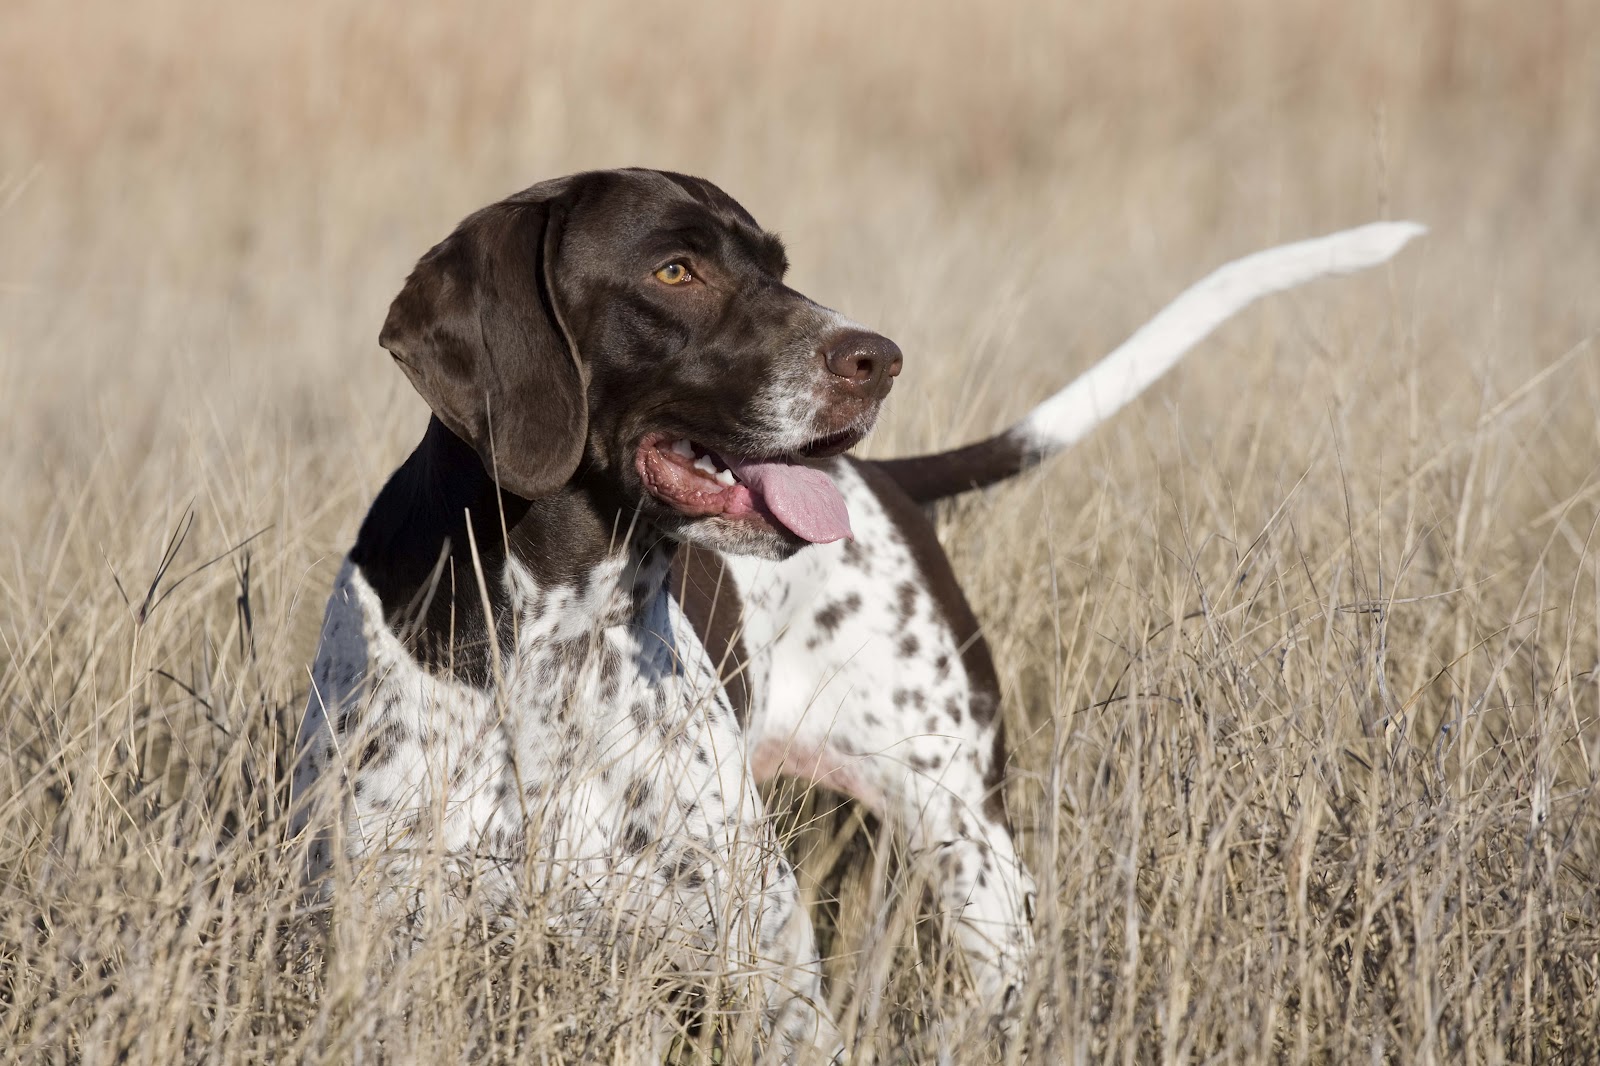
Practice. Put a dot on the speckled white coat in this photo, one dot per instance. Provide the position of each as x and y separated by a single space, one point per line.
603 773
859 685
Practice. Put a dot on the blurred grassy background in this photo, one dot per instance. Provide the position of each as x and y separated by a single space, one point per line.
1300 651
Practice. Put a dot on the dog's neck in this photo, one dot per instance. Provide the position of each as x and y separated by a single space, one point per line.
441 521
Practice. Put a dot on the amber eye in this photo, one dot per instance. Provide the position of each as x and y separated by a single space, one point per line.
673 274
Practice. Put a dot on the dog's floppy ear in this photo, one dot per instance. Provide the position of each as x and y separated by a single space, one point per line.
477 330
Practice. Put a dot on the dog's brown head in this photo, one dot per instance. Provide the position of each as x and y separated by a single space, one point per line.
631 331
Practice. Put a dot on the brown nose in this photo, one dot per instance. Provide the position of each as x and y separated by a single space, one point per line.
864 360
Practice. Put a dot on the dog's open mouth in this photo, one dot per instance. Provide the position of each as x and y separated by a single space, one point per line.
697 481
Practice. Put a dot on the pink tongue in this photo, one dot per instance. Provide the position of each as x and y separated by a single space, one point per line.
803 499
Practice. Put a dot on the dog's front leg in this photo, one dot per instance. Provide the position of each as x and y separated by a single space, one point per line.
732 883
719 852
778 942
979 885
936 789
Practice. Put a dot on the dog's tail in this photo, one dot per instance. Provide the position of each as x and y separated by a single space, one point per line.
1069 415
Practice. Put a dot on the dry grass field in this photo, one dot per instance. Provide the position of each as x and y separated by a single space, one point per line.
1300 651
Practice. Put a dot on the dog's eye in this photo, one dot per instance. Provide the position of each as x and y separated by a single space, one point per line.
674 274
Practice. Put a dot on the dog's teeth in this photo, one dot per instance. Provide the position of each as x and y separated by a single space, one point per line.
681 447
705 465
725 477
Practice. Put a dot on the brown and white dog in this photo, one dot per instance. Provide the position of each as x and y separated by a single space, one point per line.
629 573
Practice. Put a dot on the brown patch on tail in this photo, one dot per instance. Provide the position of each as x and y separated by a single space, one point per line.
929 478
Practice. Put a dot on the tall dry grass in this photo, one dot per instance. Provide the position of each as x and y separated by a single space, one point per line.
1300 652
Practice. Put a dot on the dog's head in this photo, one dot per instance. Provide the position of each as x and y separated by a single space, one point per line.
630 330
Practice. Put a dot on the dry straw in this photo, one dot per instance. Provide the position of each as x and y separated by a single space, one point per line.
1299 650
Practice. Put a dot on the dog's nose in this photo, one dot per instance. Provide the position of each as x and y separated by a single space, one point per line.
865 360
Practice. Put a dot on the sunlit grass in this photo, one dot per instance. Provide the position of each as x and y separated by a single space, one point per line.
1299 652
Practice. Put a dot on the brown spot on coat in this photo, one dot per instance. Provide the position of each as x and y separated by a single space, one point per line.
636 839
830 617
912 697
906 601
380 748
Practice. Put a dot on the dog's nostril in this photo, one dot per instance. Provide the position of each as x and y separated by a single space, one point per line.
863 358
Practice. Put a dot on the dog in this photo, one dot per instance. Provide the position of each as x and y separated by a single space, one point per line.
631 571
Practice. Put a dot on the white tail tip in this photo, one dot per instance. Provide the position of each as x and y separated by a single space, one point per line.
1365 246
1139 361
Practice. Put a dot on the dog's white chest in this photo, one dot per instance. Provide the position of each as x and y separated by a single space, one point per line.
597 751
